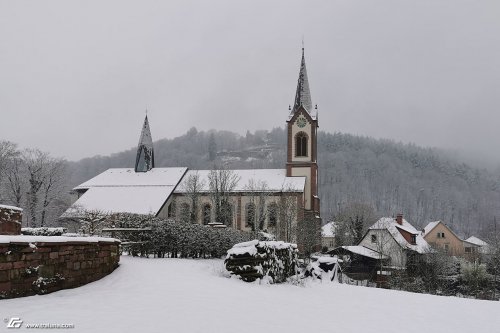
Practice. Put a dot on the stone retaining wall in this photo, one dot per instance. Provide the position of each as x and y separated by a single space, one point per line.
10 220
41 265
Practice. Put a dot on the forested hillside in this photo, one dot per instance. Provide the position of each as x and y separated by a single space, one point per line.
425 184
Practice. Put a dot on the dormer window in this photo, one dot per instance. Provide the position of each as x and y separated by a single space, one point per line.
414 239
301 144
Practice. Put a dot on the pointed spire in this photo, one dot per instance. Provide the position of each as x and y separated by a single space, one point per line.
145 159
303 95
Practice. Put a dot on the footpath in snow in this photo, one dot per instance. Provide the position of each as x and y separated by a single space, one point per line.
183 295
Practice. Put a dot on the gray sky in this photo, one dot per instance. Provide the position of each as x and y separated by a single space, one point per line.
76 76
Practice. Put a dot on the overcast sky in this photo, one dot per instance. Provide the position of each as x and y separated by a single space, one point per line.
76 76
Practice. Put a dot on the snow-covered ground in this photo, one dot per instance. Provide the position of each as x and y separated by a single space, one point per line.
183 295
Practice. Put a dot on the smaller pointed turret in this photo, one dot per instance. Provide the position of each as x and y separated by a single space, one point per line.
145 159
303 94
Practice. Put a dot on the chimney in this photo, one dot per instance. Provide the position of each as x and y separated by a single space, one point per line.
399 219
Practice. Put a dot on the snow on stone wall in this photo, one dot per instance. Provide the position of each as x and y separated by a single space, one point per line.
10 220
32 265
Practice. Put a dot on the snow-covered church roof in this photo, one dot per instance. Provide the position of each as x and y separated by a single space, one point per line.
128 177
123 190
253 180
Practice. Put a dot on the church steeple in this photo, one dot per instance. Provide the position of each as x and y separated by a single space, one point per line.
303 94
145 159
302 127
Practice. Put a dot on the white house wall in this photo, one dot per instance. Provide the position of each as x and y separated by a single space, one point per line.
387 244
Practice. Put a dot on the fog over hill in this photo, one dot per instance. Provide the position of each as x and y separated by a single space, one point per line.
425 184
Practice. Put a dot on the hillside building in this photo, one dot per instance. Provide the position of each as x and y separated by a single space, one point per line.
395 238
442 237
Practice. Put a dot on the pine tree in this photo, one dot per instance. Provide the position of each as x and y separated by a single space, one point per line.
212 147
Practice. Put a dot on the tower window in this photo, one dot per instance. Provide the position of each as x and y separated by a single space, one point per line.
301 144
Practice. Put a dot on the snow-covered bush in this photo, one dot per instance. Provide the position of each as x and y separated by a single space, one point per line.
167 238
474 278
273 261
193 240
43 231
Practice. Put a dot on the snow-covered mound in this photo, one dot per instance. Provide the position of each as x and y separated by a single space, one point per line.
273 260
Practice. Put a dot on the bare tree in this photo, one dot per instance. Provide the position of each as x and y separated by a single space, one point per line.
192 189
16 182
222 182
288 209
433 268
92 221
257 192
309 233
45 182
8 151
383 243
352 222
492 254
52 186
35 162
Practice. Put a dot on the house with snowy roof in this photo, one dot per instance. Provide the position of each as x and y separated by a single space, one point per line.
360 262
441 236
482 246
395 238
276 200
328 235
388 243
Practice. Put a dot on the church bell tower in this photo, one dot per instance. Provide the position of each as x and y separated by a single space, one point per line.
302 129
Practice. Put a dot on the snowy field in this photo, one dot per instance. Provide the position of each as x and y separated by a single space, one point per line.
182 295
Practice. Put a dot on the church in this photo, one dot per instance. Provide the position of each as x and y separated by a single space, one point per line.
283 202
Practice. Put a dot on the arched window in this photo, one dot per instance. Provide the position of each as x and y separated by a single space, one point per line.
301 144
250 215
207 214
185 213
272 213
170 210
